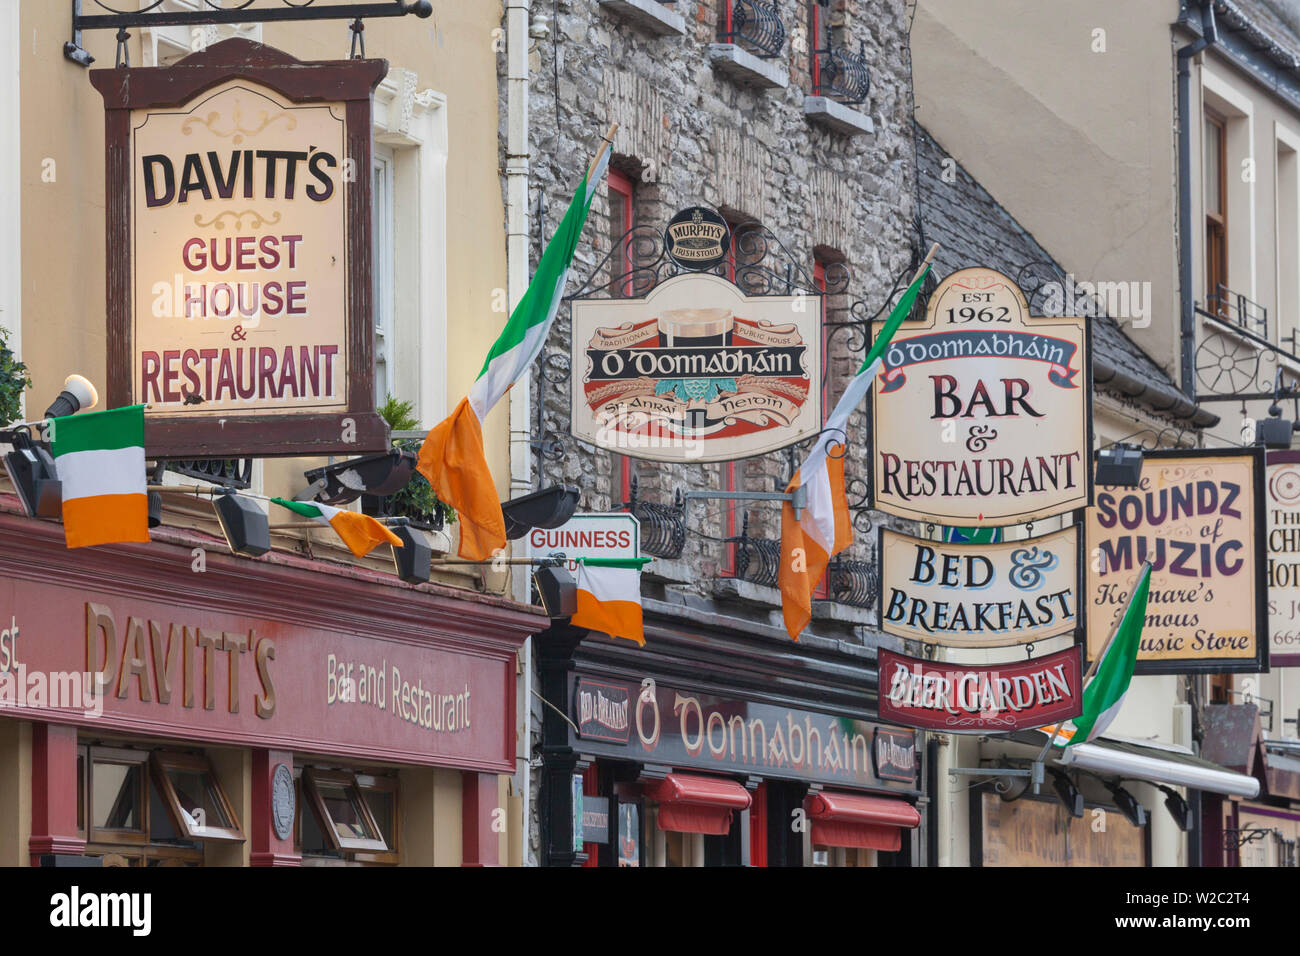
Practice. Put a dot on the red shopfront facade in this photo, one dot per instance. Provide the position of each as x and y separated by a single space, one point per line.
173 704
712 747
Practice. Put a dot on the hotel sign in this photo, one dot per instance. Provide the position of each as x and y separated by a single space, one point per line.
980 416
979 595
696 371
1284 558
239 287
1199 516
981 698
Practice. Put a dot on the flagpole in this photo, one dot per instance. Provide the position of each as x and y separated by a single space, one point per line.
929 257
608 138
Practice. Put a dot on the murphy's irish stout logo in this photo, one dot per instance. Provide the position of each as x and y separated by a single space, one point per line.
697 238
980 415
696 371
241 258
1198 516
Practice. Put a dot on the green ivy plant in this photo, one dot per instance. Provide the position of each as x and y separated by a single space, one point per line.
14 380
418 499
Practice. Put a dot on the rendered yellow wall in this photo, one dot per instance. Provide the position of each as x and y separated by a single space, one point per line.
15 792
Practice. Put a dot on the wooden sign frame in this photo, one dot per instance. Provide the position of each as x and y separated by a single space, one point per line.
351 82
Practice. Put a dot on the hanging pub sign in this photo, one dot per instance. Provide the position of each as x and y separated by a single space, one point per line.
1283 506
980 416
980 595
894 754
697 238
981 698
1199 516
696 371
239 260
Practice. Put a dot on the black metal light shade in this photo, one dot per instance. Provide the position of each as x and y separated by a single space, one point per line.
1119 466
1128 805
244 524
1070 795
557 590
548 508
1274 432
345 481
413 557
31 470
1178 809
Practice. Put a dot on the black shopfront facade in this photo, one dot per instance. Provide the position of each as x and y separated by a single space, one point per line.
720 743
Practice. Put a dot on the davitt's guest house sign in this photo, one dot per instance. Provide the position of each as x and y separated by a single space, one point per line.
696 371
979 595
239 252
1199 517
981 413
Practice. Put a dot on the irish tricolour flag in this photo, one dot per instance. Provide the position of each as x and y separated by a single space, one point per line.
609 597
451 457
361 533
99 458
823 528
1103 697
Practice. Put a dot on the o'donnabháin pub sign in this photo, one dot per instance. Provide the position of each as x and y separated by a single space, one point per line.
981 416
238 240
696 370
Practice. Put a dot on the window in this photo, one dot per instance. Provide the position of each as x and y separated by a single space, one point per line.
347 815
383 277
1216 212
195 801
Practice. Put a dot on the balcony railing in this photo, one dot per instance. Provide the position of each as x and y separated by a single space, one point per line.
757 559
226 472
753 24
852 582
663 527
1235 307
841 74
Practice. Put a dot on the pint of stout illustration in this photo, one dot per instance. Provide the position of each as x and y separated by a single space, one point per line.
695 328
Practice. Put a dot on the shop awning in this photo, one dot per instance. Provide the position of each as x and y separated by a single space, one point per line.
1158 765
691 803
857 820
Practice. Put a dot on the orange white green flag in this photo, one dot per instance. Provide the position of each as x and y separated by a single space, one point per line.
99 458
609 597
452 457
360 532
823 529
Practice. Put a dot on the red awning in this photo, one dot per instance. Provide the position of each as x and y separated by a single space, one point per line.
856 820
693 804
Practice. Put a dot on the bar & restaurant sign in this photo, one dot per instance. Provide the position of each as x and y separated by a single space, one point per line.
1003 399
239 290
1199 516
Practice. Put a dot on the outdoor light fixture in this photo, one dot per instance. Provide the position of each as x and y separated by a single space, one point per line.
345 481
1070 795
244 524
557 590
1128 804
1274 431
1119 466
1178 808
412 559
548 508
31 471
78 395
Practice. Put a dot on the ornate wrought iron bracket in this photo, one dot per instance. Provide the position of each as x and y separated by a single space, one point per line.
1228 363
1034 772
234 11
1236 839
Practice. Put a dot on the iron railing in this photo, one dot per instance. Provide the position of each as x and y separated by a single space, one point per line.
753 24
842 74
663 527
757 559
1235 307
226 472
852 582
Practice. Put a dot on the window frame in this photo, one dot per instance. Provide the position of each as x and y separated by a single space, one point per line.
312 778
117 756
383 277
160 763
1216 266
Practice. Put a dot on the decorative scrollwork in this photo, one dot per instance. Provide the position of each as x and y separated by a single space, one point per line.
853 582
843 75
756 24
757 559
663 527
1226 365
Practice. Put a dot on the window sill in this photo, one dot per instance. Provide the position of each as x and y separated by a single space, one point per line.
650 15
744 68
827 610
740 591
837 117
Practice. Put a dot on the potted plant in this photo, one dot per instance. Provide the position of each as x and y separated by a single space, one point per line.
417 500
14 380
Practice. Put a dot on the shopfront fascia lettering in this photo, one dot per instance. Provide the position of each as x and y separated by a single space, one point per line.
361 682
155 661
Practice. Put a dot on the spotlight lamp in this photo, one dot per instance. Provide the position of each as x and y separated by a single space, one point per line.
1274 431
1119 466
1128 804
1070 795
78 395
1178 808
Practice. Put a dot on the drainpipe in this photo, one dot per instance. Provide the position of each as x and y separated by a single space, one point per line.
517 15
1187 298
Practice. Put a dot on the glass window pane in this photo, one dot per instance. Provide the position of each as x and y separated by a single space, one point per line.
194 793
382 805
341 804
1213 169
116 800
